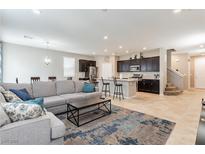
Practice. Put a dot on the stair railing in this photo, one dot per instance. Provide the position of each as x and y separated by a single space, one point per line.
176 78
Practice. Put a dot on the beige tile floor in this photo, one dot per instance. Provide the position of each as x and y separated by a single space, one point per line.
184 110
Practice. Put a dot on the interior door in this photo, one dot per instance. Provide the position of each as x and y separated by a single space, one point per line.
199 73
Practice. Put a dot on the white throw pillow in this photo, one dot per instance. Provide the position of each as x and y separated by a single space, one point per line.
22 111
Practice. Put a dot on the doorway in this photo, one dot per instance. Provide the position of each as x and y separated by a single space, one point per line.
199 72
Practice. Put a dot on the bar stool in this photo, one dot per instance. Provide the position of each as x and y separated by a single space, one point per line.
52 78
105 87
118 90
35 79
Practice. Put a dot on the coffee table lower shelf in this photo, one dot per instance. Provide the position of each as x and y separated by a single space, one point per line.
74 115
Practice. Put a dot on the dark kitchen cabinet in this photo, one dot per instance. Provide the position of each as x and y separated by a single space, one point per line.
82 65
149 85
155 64
134 62
91 63
123 66
143 65
85 64
150 64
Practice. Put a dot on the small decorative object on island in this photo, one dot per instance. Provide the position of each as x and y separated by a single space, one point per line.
203 102
156 76
135 56
141 56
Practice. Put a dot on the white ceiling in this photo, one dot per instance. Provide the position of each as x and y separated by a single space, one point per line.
82 31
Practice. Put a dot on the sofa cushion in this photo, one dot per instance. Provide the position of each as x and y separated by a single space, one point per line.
65 87
75 97
93 95
53 101
79 86
44 89
10 96
57 126
22 111
4 117
8 86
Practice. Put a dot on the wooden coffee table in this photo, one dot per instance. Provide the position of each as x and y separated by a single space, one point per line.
89 111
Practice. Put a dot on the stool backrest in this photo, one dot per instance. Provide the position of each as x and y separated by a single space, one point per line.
102 80
35 79
114 80
52 78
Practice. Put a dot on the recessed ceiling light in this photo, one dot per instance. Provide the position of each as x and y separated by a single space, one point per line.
144 48
120 47
201 46
177 11
105 50
127 51
35 11
105 37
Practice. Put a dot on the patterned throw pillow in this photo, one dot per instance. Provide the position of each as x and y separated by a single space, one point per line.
22 111
10 96
4 119
2 89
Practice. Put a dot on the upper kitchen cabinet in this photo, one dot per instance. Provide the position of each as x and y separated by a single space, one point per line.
85 64
123 66
135 62
150 64
155 64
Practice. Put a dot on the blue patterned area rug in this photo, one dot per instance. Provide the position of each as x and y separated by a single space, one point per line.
124 127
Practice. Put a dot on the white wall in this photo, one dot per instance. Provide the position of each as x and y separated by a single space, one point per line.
24 62
107 59
163 70
181 62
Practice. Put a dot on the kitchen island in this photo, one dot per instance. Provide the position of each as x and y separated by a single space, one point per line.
129 86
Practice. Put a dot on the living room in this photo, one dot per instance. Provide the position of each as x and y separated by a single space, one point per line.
87 77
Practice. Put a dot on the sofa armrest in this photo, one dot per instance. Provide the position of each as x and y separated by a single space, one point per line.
33 131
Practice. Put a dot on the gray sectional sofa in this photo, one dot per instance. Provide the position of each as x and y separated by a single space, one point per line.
47 129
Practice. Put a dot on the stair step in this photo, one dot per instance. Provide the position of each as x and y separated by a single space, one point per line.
169 85
174 93
171 88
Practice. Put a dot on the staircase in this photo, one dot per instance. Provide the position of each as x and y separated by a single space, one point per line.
172 90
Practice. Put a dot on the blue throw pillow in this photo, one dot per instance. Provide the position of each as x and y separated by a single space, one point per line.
88 88
38 101
22 94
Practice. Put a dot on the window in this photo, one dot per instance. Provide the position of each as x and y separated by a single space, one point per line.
69 67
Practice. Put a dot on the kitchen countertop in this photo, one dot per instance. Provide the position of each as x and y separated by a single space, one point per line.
122 80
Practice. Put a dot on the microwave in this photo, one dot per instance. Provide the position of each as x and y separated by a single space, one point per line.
135 68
